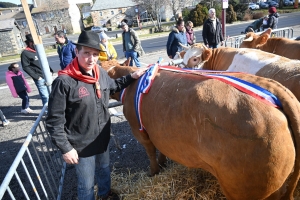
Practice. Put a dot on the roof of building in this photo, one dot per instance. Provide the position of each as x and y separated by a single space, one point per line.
104 5
7 24
86 9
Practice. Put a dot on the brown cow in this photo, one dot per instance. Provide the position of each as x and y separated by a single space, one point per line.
279 46
204 123
252 61
110 63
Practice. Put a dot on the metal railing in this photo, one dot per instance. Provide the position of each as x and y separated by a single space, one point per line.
42 170
236 41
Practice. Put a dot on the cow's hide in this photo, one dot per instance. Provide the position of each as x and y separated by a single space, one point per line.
204 123
285 71
276 45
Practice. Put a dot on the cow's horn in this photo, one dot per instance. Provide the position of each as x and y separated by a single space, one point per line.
185 47
204 47
249 39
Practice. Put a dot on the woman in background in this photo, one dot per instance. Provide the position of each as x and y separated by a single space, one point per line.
107 51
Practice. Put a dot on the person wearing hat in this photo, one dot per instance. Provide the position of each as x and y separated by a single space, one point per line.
131 45
272 20
31 65
65 49
78 117
107 50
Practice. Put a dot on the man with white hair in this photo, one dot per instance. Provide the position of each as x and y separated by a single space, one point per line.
212 30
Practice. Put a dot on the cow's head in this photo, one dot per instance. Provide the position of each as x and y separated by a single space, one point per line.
255 41
196 55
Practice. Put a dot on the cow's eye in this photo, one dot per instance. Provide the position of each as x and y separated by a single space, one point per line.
195 59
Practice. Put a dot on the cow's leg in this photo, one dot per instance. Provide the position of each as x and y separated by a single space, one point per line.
151 152
162 160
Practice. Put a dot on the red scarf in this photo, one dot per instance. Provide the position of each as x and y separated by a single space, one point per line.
30 49
73 70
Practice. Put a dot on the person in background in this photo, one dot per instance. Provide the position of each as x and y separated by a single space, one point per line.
212 30
190 34
265 22
78 117
31 66
5 122
107 50
65 49
254 26
177 37
18 86
131 45
273 19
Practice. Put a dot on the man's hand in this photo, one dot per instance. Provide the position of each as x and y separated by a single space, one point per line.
71 157
170 57
222 43
138 73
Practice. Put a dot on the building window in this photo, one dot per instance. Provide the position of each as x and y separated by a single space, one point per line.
120 10
100 13
112 12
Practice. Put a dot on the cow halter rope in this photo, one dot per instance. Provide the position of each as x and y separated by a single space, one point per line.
145 82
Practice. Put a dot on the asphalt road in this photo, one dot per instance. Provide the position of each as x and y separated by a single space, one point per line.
159 43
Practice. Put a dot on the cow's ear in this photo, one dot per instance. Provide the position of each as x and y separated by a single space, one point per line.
268 31
207 53
263 39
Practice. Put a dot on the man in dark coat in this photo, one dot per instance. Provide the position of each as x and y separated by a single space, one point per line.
65 49
212 30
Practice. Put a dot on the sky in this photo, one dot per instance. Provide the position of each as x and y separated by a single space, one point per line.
15 1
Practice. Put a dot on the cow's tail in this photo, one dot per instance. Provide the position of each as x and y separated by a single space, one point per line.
291 109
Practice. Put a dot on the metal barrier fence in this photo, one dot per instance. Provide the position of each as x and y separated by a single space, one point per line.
41 173
42 170
236 41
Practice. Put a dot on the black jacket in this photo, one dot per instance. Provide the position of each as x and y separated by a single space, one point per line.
77 118
209 34
31 65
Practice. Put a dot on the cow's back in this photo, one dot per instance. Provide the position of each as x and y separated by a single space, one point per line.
285 71
283 47
204 123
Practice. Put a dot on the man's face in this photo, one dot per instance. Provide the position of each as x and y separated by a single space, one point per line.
87 58
59 40
180 26
212 14
125 28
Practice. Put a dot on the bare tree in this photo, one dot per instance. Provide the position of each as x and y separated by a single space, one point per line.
177 5
153 8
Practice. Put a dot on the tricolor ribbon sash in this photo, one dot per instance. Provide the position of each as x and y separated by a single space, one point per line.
147 79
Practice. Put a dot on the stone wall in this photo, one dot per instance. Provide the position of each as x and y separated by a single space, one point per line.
7 43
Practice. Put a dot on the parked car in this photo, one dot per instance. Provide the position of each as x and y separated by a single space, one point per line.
272 4
288 3
253 6
98 29
263 5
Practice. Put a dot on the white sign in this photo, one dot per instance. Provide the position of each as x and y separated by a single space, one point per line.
225 4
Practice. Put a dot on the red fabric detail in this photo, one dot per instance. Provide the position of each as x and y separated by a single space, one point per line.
73 70
30 49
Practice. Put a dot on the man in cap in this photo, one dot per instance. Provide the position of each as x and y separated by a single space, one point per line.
31 65
78 117
131 45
